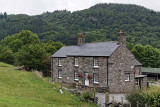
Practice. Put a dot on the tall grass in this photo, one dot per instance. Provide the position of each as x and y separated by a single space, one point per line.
26 89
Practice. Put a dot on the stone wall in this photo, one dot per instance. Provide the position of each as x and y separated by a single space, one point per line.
138 70
121 62
85 66
144 82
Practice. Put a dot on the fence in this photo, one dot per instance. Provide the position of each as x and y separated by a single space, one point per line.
122 104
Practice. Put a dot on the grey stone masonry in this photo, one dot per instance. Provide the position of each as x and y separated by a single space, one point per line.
120 63
85 66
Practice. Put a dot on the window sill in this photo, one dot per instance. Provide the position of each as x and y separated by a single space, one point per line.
60 77
76 79
126 80
76 65
96 82
59 65
95 66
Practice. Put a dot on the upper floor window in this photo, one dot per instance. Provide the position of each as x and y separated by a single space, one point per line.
96 62
59 62
75 61
95 78
127 76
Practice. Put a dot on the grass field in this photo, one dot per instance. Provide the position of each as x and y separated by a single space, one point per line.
26 89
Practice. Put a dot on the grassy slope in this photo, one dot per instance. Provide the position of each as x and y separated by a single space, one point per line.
25 89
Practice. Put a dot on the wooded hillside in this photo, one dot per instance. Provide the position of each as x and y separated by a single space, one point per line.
99 23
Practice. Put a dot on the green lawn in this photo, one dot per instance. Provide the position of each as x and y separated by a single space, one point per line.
26 89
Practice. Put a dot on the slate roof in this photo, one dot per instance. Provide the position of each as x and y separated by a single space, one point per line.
137 63
150 70
88 49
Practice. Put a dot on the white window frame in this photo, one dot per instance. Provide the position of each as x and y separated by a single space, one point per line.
76 61
96 78
127 76
96 62
59 73
76 75
137 82
59 61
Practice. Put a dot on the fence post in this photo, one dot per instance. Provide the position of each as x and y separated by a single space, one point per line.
146 105
94 94
113 101
137 104
107 97
61 86
129 104
122 101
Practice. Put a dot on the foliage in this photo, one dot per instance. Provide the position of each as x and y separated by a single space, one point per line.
24 48
26 89
147 55
133 97
16 41
87 95
31 56
6 55
100 22
151 96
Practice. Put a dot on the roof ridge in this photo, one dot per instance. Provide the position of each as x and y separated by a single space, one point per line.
92 43
102 42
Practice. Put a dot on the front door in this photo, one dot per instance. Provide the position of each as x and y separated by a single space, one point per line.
86 79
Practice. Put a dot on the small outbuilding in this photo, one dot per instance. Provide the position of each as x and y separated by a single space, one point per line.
153 74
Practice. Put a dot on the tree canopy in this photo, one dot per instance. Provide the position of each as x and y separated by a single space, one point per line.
100 22
25 48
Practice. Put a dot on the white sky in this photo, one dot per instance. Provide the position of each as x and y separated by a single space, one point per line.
34 7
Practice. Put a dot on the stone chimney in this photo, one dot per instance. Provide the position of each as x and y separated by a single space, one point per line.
121 37
81 39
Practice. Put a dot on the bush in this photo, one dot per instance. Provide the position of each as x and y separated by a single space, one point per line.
87 96
133 97
150 96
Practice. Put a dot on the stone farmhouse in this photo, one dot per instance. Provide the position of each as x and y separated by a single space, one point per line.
109 65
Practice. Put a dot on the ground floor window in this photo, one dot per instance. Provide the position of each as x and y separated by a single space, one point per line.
137 82
76 75
127 76
59 73
95 78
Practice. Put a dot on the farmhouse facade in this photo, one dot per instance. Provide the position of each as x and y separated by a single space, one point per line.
103 64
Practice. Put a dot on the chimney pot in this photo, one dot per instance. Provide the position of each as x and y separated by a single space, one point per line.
121 37
81 39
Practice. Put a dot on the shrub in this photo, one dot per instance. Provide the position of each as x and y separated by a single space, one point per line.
133 97
150 96
87 96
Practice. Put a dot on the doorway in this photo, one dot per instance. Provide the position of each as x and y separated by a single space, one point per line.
86 79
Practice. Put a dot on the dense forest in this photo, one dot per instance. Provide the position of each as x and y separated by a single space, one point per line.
31 40
100 22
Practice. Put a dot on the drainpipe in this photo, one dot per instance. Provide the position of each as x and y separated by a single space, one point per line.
52 68
134 78
107 71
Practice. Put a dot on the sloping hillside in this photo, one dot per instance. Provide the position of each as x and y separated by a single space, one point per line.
25 89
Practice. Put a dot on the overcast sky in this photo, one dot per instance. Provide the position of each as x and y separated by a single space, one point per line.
34 7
